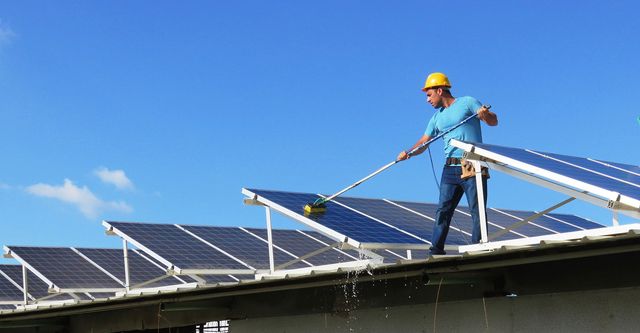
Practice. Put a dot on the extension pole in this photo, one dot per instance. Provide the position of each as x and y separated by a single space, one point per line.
329 198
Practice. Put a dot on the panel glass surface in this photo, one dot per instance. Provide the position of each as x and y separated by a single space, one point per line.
300 245
340 219
243 246
577 221
630 168
400 218
597 167
177 246
460 220
626 189
8 291
554 224
64 267
7 307
140 269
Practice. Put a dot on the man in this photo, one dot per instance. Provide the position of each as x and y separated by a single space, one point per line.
449 112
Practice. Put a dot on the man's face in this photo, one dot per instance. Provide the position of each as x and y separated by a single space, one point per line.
434 97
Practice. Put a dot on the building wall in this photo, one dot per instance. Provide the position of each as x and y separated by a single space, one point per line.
616 310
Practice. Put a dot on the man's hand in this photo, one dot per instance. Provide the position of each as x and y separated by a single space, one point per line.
487 116
402 156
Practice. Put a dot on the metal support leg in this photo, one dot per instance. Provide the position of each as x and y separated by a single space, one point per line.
125 252
616 219
409 254
270 239
25 284
481 204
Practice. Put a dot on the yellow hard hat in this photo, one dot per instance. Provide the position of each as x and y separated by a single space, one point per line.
436 80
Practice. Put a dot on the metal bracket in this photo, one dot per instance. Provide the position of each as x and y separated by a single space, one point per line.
529 219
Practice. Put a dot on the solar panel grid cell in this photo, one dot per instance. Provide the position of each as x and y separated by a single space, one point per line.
575 220
542 221
597 167
65 268
502 218
8 291
401 218
634 169
340 219
176 246
243 246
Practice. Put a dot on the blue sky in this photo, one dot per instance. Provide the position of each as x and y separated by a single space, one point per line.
162 111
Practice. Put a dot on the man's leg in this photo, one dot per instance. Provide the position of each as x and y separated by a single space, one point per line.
471 192
450 195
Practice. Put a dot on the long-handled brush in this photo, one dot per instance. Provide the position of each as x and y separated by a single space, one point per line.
319 206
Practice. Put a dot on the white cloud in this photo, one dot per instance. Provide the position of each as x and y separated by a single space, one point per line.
115 177
6 34
81 197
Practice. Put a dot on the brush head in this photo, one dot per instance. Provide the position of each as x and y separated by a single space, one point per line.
314 208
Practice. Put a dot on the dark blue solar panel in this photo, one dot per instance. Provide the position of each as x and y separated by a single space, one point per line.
506 221
243 246
8 291
459 220
400 218
177 246
597 167
140 269
340 219
64 267
542 221
7 307
576 220
300 245
565 170
631 168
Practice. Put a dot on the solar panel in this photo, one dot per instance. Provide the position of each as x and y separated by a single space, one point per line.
300 245
338 221
140 269
9 292
578 222
173 246
609 181
64 268
243 246
417 219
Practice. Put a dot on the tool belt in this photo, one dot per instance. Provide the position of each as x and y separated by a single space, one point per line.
469 171
452 161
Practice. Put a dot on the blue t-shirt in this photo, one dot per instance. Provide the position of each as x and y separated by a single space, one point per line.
445 118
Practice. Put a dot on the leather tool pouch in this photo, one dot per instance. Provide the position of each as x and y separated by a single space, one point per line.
469 171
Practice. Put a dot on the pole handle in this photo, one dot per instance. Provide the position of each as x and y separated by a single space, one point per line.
329 198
